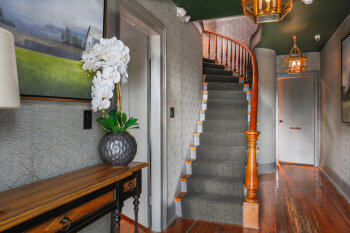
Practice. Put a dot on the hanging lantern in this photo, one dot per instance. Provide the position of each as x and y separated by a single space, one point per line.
295 62
264 11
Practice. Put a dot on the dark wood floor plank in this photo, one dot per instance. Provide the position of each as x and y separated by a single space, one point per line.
295 199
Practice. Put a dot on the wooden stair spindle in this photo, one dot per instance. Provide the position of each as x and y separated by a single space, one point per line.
216 49
222 51
226 63
234 60
208 46
231 58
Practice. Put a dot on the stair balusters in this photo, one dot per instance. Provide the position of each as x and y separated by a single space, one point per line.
243 61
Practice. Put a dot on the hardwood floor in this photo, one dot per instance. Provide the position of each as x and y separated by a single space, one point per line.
294 199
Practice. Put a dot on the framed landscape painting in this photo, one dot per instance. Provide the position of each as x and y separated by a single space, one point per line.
345 60
50 37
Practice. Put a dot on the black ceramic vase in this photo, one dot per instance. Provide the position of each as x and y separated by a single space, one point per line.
117 149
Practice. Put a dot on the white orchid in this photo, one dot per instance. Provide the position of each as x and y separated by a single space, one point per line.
109 59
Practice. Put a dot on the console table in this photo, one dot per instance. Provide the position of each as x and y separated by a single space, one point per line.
70 202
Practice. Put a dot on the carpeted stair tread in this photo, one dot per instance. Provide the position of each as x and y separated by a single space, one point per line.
214 167
224 125
227 94
223 152
221 78
227 104
225 86
226 114
214 208
208 60
213 65
223 138
215 185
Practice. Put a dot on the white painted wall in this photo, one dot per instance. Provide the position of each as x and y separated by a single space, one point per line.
135 104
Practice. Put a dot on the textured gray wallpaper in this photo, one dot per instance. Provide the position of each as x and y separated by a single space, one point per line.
184 77
44 139
335 145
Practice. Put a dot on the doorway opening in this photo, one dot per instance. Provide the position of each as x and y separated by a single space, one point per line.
144 97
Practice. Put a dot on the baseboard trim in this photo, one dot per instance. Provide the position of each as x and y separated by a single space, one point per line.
267 168
171 219
132 222
336 185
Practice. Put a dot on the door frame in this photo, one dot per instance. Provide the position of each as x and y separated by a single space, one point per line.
157 115
317 98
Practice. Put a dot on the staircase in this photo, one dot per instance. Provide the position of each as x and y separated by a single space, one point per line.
215 189
222 159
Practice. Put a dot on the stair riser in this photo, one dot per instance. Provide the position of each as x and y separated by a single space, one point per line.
213 65
233 156
226 115
217 169
216 71
219 78
216 212
215 188
223 139
224 86
224 127
208 60
227 95
227 105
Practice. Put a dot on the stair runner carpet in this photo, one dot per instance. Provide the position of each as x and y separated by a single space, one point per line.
215 188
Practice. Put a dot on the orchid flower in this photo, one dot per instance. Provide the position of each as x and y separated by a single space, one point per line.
109 59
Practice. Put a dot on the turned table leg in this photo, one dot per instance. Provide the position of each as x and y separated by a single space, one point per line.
117 219
136 209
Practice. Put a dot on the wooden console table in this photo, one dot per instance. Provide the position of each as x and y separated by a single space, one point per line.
69 202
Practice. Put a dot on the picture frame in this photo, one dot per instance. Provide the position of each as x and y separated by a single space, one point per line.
345 79
39 48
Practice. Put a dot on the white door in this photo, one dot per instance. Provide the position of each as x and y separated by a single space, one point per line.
296 120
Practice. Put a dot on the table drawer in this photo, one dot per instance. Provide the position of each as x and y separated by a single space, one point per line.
64 221
130 185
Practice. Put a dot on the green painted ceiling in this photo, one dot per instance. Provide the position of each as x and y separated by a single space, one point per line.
321 17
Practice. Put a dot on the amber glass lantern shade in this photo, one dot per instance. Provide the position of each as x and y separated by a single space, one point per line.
265 11
295 62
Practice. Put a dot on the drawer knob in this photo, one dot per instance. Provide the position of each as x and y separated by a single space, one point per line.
65 223
132 186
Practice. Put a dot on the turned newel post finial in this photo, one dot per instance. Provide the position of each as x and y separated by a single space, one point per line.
251 182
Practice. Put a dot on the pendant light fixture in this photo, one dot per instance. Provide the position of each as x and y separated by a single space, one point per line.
264 11
295 62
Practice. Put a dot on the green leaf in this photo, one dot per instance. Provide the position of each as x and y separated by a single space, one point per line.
119 117
104 122
131 122
113 114
124 118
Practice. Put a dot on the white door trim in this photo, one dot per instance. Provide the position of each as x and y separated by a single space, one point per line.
317 85
132 11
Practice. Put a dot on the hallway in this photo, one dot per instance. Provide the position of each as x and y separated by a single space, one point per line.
294 199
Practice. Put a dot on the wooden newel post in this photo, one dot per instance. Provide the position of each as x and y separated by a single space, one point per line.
251 203
251 181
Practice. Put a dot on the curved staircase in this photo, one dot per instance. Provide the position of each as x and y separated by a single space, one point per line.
222 160
215 189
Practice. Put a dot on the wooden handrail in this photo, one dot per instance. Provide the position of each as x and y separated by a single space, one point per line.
247 67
